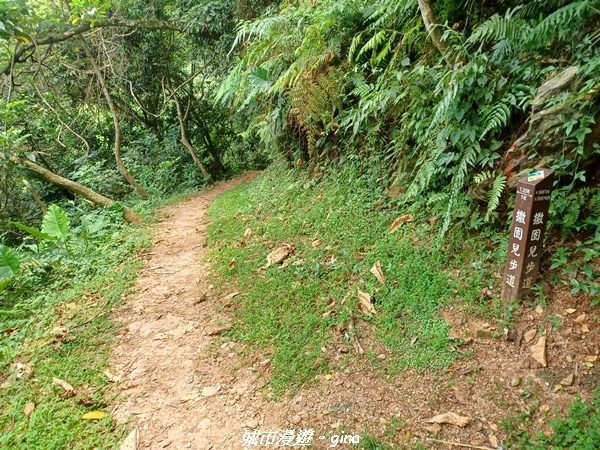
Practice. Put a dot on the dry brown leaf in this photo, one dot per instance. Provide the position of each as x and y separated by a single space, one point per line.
538 351
377 272
590 358
131 441
568 380
29 407
530 335
279 254
248 232
585 328
365 304
570 310
452 419
493 440
63 384
359 255
400 221
231 264
581 318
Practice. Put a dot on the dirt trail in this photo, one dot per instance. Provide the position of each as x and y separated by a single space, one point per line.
177 397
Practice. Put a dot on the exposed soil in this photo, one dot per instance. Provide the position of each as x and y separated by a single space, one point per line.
185 386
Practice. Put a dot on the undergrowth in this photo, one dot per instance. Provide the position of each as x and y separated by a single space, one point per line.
55 323
340 229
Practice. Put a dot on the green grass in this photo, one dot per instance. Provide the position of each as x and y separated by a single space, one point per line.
282 314
579 429
75 294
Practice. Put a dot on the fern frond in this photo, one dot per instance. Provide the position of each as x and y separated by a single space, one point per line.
494 194
495 118
561 23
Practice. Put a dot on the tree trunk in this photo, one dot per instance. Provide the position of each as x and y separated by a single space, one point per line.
210 146
113 111
184 139
35 196
75 187
435 31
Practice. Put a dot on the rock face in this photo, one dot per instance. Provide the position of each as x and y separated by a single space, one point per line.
543 140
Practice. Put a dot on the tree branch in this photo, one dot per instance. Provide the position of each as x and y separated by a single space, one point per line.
86 26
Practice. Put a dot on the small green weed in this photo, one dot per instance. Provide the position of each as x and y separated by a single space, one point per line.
579 430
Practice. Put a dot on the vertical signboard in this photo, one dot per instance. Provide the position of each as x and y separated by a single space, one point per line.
527 233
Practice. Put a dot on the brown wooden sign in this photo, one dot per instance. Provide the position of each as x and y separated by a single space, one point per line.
527 233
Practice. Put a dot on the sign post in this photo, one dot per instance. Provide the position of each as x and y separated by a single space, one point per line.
527 233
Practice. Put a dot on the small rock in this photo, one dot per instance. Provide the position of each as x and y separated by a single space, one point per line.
209 391
568 380
252 423
204 423
381 356
539 310
295 419
483 334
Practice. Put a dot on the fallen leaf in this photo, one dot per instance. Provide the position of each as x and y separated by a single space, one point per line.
279 254
413 341
568 380
591 358
377 272
530 335
230 296
452 419
29 407
585 328
328 377
365 304
131 441
63 384
400 221
557 387
316 243
231 264
581 318
588 364
539 309
93 415
248 232
359 255
493 440
544 408
538 351
570 310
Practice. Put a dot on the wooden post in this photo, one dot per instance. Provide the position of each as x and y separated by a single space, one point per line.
527 233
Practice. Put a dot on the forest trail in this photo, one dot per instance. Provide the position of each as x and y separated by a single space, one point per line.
177 393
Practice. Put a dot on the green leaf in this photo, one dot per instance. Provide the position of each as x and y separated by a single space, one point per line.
34 232
56 223
9 262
